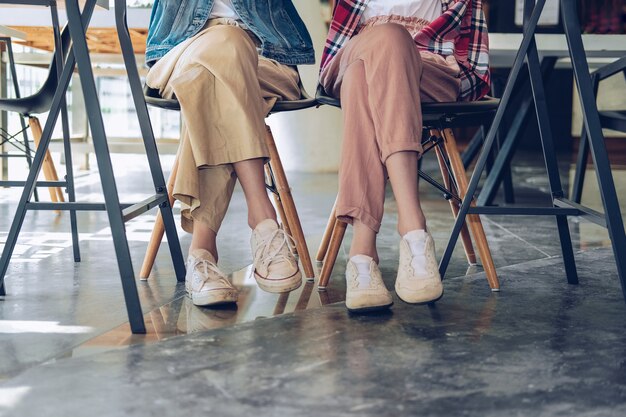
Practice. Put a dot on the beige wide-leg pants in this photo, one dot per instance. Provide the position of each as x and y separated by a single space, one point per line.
225 91
381 79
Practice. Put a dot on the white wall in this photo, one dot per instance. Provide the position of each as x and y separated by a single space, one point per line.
309 140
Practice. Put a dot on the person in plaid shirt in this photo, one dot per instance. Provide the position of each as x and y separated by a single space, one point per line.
382 58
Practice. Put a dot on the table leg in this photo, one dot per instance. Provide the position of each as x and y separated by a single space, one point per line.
103 157
67 147
591 118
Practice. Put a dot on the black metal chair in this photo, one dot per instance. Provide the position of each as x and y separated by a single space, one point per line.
610 119
438 119
41 102
275 176
23 146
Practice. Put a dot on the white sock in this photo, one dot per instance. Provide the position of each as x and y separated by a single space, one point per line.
417 243
362 263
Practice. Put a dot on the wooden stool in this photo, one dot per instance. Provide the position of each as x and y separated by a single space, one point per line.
276 183
49 170
438 120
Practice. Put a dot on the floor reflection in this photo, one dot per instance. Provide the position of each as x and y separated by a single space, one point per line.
45 285
181 317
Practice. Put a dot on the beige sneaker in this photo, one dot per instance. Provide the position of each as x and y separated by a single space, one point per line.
365 289
275 267
206 285
418 280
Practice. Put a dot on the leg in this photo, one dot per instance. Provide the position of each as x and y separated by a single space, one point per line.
252 178
549 153
402 169
581 168
291 214
67 145
216 186
328 232
466 239
369 137
48 165
116 220
159 229
339 230
269 177
473 220
223 65
362 176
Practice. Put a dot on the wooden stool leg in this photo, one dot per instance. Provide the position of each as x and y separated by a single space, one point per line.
159 229
49 171
279 206
339 230
291 214
323 249
473 220
466 239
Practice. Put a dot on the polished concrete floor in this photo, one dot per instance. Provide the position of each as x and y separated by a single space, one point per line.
540 347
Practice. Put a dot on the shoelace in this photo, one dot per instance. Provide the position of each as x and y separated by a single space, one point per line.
267 253
210 267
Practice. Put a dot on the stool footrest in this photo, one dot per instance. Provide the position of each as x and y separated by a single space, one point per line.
9 183
149 203
524 211
129 210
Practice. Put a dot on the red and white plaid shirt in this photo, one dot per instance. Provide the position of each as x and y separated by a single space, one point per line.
460 31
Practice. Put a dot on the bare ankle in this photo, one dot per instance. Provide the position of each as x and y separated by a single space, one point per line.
371 253
417 223
259 212
363 241
211 250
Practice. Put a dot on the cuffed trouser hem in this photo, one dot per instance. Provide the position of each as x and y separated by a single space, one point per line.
394 147
348 214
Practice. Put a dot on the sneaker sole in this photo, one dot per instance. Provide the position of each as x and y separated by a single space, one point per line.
214 298
279 286
369 309
421 303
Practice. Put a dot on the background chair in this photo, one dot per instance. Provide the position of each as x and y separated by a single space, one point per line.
276 181
439 119
41 102
610 119
6 137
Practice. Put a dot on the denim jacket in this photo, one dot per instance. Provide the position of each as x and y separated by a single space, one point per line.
276 23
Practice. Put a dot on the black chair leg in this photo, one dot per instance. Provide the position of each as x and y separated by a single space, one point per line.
67 147
549 153
581 168
147 134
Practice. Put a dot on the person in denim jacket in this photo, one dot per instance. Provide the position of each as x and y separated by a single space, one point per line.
227 62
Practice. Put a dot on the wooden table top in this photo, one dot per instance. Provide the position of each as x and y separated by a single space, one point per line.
103 4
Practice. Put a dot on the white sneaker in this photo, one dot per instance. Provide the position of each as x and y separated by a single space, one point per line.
365 289
275 267
205 283
418 280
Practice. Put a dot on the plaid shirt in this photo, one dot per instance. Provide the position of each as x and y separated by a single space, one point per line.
460 31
